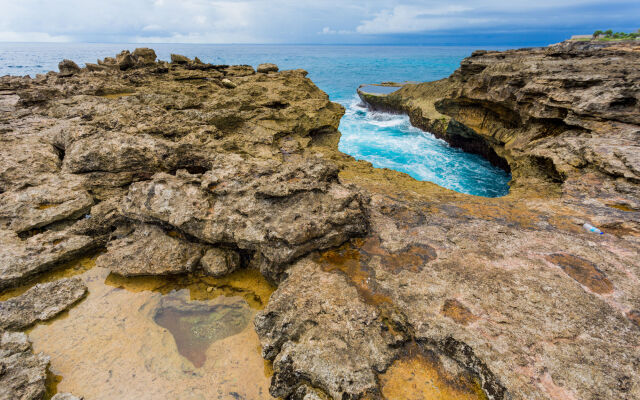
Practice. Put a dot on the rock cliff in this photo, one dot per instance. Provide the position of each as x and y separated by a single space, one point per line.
187 167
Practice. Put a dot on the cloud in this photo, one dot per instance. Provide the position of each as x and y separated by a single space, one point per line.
296 21
32 37
407 19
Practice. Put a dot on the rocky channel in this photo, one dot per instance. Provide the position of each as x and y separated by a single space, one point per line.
185 172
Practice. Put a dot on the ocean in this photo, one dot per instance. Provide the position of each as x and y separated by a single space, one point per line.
385 140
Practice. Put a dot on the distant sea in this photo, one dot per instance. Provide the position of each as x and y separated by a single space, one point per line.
386 140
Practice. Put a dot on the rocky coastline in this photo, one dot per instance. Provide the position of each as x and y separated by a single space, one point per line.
184 167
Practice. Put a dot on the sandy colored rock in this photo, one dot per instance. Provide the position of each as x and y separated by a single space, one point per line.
40 303
23 373
148 250
219 262
267 67
39 206
22 259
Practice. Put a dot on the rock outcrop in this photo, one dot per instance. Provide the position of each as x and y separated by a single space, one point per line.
40 303
22 373
192 167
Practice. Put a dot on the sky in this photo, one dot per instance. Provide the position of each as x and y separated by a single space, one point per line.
319 21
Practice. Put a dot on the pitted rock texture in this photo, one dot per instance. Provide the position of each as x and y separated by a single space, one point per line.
148 250
22 373
40 303
519 292
188 166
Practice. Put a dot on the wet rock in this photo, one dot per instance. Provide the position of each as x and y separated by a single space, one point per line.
267 67
68 68
179 59
40 303
22 259
23 374
148 250
219 262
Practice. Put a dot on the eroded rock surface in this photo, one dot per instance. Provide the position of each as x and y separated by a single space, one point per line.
22 373
193 167
40 303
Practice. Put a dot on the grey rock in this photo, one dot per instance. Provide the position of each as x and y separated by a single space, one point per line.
40 303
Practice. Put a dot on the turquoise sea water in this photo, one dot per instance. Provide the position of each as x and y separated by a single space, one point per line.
385 140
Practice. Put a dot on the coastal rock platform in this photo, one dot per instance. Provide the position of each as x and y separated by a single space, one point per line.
380 277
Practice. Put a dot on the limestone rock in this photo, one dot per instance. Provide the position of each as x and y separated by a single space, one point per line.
39 206
68 68
148 250
22 259
65 396
218 262
125 60
40 303
330 322
281 210
228 83
179 59
23 374
144 56
267 67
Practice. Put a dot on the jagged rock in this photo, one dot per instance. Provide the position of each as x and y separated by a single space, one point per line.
318 327
512 290
281 210
179 59
148 250
68 68
125 60
267 67
40 303
22 259
219 262
144 56
23 374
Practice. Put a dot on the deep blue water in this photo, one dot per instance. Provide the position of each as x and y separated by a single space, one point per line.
385 140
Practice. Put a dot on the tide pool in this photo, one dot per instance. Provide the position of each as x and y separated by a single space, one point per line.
385 140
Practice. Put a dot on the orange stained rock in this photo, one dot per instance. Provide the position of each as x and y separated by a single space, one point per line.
423 376
583 271
457 311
